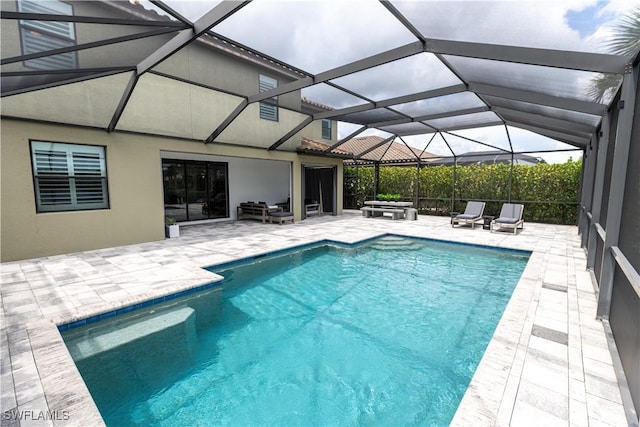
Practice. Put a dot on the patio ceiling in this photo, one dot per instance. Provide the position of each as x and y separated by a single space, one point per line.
419 78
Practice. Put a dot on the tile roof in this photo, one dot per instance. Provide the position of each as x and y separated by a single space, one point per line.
391 152
311 145
311 102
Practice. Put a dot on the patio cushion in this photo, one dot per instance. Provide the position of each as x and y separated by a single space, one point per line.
508 220
281 214
466 216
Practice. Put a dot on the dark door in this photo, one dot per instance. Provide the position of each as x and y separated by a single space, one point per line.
320 187
195 190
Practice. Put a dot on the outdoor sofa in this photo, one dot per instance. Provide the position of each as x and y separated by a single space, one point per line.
263 212
252 210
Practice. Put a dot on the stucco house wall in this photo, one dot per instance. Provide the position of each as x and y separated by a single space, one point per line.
134 172
166 117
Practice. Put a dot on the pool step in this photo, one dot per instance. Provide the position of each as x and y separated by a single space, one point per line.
100 340
396 244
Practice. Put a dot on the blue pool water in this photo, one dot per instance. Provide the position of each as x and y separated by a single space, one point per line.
385 333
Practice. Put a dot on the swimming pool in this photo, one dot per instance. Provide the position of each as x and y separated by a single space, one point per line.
387 332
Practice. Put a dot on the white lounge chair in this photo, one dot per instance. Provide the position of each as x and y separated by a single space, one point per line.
472 214
510 218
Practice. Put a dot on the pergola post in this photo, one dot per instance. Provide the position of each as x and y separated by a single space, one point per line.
453 184
585 212
510 178
417 192
616 196
357 183
376 178
600 162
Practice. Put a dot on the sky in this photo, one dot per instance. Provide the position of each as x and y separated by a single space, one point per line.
319 35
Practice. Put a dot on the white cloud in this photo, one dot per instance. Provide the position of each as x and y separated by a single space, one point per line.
316 35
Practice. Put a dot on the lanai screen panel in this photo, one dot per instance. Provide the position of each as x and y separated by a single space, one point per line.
311 36
191 10
560 82
461 145
166 106
416 73
72 104
486 118
413 128
440 104
330 96
316 36
371 116
47 70
518 23
95 45
249 130
128 53
526 141
550 124
488 138
543 110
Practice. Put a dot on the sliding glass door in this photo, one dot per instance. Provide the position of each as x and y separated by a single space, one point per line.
218 205
195 190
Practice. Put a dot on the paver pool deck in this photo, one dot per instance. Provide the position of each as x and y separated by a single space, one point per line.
548 363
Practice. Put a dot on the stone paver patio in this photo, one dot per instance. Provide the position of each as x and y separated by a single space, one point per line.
547 364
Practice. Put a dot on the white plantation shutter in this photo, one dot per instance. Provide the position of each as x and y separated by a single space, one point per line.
52 178
69 176
89 180
326 129
268 107
40 36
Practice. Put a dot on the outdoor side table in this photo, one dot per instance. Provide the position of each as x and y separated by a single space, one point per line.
453 214
487 222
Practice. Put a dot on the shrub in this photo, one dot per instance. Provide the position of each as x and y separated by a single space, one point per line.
548 191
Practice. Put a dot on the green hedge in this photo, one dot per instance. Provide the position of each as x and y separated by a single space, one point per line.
548 191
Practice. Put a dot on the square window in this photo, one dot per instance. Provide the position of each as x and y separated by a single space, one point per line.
41 36
326 129
69 177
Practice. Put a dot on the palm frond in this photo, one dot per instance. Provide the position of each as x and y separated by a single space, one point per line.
626 39
602 87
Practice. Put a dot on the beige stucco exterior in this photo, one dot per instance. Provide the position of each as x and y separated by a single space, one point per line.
134 171
174 108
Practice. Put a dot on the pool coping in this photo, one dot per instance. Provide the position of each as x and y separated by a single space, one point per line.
489 400
98 316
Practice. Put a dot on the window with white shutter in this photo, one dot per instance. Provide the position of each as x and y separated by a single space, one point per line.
268 107
40 36
69 176
326 129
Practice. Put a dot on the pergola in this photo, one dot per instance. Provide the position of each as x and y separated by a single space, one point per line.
417 77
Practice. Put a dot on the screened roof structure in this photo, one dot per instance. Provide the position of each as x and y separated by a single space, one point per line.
399 69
